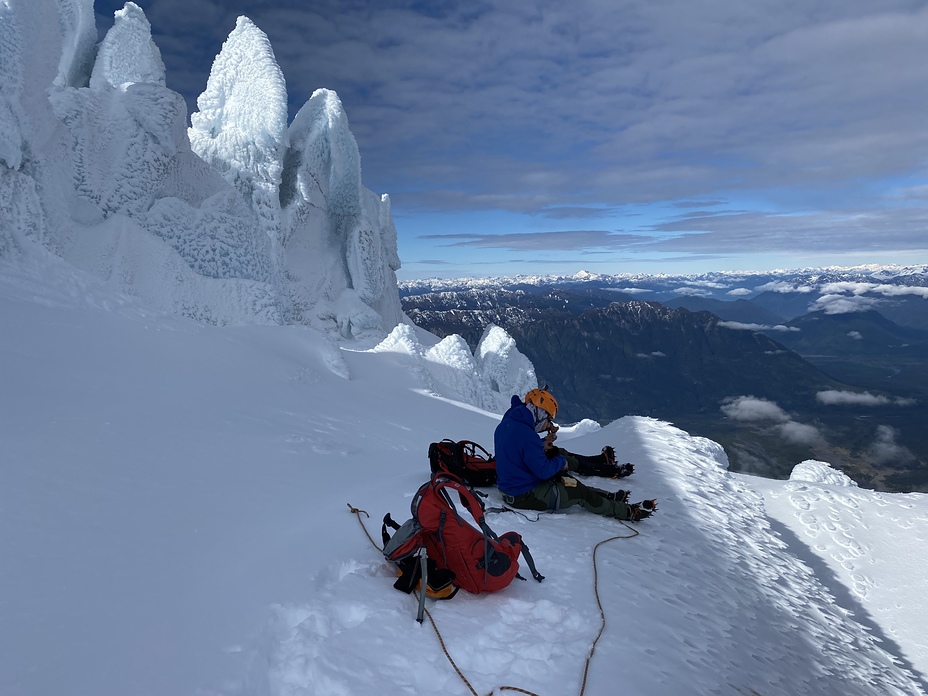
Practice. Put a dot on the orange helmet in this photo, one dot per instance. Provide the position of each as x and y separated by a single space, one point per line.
543 400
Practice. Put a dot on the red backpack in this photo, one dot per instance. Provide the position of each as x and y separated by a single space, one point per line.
465 459
439 540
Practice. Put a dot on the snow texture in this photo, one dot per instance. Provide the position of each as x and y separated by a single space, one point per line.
812 471
173 514
98 165
128 53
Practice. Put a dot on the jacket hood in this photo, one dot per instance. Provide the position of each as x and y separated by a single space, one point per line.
519 412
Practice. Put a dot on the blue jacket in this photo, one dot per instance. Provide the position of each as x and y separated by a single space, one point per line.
521 462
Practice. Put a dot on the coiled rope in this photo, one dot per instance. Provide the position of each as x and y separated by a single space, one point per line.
602 614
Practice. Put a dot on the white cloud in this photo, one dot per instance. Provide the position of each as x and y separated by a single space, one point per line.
694 292
800 434
897 290
756 327
740 292
886 450
856 335
843 304
784 287
707 284
879 289
847 287
751 408
835 397
754 409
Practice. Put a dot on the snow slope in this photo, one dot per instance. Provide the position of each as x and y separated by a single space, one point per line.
174 520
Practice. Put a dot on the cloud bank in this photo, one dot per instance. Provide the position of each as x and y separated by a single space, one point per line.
835 397
753 409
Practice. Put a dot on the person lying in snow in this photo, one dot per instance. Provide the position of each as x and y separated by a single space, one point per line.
531 480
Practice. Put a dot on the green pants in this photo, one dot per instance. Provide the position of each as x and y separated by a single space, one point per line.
554 495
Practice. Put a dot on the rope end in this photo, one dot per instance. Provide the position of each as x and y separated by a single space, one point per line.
356 511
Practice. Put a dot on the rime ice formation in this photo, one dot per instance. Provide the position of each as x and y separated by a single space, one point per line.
486 378
451 363
128 53
240 130
502 366
96 166
354 264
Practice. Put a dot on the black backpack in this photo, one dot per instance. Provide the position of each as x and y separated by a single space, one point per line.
465 459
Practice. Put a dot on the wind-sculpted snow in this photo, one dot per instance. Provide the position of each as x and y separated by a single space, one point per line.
241 131
448 368
502 366
79 36
811 471
867 546
12 119
241 126
123 142
215 239
127 53
137 263
336 233
88 135
451 363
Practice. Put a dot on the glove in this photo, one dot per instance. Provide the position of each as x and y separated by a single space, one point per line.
624 470
620 495
639 511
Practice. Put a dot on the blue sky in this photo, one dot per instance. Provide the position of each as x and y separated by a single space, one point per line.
610 136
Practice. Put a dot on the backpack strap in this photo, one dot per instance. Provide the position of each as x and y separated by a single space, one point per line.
470 448
531 563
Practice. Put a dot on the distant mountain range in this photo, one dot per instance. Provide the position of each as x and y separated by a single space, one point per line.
781 339
900 293
631 357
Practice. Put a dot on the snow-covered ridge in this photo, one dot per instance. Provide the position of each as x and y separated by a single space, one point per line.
241 218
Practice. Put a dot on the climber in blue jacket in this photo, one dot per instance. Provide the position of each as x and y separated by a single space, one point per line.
530 480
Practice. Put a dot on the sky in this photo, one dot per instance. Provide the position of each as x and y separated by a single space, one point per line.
631 136
174 521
